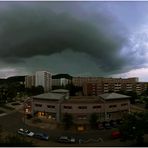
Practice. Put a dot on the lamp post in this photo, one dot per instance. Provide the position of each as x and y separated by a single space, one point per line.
134 128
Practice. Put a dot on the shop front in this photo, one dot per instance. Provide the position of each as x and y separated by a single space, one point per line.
46 115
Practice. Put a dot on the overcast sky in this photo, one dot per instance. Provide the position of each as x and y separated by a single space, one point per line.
97 38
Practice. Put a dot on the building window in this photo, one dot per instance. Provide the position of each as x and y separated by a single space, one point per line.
125 104
82 107
97 106
112 106
67 107
38 105
50 106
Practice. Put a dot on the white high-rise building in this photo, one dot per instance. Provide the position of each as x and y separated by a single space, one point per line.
44 79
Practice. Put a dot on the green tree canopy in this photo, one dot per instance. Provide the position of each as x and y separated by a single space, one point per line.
93 120
67 120
134 126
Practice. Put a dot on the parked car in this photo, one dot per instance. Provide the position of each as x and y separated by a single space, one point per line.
25 132
116 134
100 126
113 124
42 136
65 139
107 125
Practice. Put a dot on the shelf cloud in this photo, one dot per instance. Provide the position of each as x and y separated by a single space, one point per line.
31 29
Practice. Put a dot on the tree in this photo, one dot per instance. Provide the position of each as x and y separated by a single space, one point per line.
145 93
3 97
39 89
58 76
146 102
1 131
133 95
12 92
134 127
73 89
34 90
67 120
93 120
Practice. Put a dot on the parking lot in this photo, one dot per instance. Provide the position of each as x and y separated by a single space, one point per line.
13 120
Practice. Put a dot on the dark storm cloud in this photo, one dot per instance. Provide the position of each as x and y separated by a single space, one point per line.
28 31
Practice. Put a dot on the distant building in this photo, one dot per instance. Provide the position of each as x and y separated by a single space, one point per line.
79 81
105 85
29 81
44 79
60 82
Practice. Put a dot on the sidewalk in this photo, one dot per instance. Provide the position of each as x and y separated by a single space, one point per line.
6 111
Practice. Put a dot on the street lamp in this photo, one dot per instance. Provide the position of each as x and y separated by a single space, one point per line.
133 127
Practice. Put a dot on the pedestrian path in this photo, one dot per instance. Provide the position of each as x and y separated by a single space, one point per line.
9 109
5 110
3 114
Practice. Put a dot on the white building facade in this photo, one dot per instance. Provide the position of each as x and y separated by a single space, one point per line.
44 79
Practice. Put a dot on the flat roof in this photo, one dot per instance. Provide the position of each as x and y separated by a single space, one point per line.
84 99
49 96
112 96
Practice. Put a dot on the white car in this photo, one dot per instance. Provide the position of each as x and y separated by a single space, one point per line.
65 139
25 132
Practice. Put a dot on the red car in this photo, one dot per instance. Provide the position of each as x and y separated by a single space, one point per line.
116 134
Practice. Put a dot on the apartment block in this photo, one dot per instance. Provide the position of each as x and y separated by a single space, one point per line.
79 81
44 79
113 85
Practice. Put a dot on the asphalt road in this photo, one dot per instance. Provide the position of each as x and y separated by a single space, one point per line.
13 121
